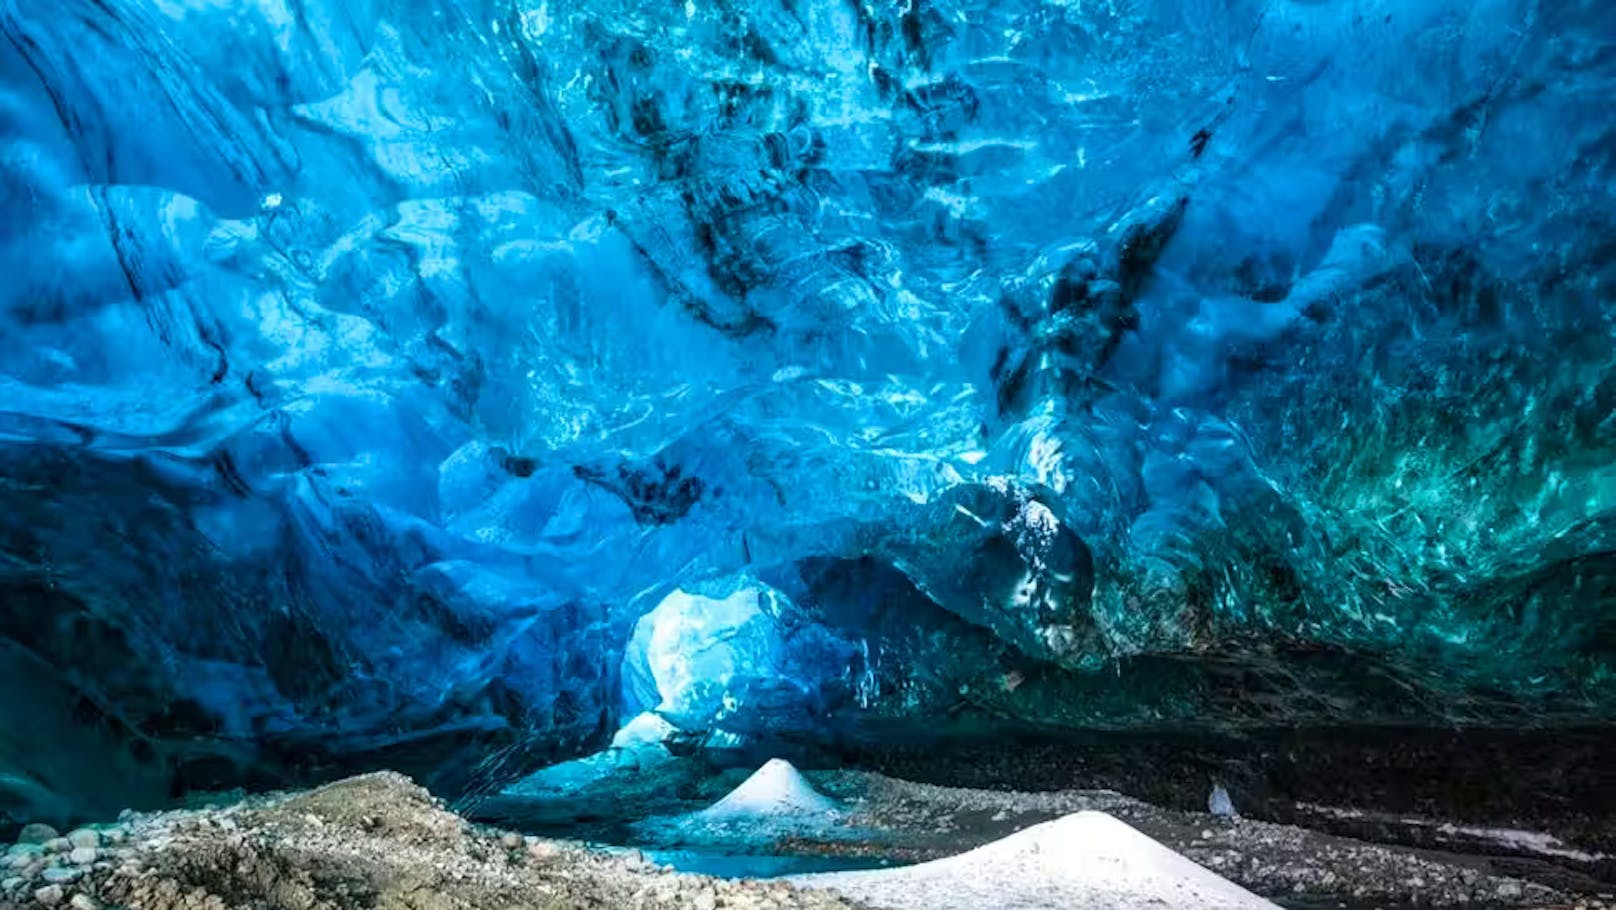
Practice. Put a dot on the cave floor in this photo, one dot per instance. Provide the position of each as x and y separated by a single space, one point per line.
891 822
1294 866
378 841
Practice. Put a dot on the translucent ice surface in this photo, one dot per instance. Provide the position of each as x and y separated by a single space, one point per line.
369 369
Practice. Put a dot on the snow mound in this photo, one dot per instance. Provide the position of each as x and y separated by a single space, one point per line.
646 731
1084 861
777 789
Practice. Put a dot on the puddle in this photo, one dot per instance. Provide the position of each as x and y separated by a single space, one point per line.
728 864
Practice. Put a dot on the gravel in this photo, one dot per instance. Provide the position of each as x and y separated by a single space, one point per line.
380 842
377 842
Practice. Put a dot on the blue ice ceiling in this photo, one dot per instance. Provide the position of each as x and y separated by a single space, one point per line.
370 368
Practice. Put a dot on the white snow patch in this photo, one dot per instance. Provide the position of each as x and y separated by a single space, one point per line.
1525 841
1511 838
1084 861
777 789
1040 520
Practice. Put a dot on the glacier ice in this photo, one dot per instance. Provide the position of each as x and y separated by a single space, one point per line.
726 666
370 369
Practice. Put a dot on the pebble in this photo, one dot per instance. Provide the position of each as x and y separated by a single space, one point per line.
83 856
36 834
50 895
85 837
13 883
84 902
58 845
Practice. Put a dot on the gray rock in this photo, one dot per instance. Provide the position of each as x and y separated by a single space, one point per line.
85 837
62 875
50 895
84 902
12 884
58 845
83 856
37 834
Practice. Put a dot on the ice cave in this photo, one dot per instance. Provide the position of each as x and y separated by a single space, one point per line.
1035 453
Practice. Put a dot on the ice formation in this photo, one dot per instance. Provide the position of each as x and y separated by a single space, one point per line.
369 369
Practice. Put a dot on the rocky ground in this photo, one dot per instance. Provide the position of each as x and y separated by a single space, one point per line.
1294 866
378 841
892 821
